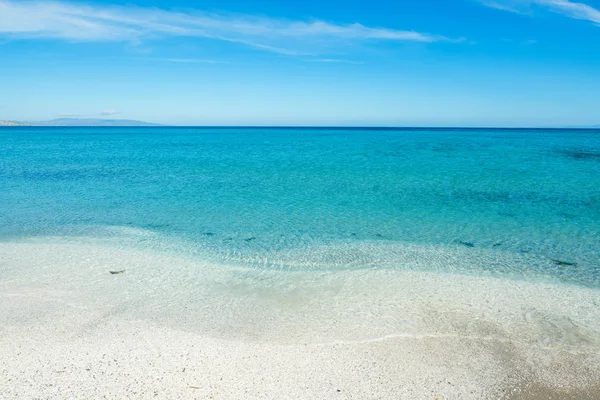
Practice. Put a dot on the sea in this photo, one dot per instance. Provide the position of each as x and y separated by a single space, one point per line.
336 222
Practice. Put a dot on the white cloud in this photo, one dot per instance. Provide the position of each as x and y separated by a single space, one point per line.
101 23
529 42
509 6
573 9
105 113
333 61
187 60
565 7
71 115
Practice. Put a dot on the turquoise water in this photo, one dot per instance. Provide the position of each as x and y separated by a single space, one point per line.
523 204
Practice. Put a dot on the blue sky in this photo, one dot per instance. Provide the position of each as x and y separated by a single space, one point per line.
310 62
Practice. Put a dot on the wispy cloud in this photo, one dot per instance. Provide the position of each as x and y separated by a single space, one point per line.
72 115
186 60
529 42
567 8
105 113
509 6
333 61
573 9
100 23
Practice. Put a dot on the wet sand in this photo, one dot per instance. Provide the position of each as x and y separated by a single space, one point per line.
62 338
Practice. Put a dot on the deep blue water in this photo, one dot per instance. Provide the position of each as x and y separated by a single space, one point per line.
523 203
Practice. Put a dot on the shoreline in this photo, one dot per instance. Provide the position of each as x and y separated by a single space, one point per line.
128 359
73 329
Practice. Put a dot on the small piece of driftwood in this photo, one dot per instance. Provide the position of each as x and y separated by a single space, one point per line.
116 272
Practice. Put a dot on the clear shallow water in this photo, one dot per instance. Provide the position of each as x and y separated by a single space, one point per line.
518 203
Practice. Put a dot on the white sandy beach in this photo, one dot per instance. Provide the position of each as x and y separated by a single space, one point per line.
72 330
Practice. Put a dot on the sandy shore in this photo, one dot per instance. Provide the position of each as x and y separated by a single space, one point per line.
64 338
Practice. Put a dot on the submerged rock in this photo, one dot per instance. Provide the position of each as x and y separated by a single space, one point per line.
564 263
582 154
157 226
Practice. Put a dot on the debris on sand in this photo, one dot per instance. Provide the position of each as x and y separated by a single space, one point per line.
116 272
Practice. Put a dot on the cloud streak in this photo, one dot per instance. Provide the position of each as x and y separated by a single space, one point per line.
186 60
333 61
567 8
105 113
105 23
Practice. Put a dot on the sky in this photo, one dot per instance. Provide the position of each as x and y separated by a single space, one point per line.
503 63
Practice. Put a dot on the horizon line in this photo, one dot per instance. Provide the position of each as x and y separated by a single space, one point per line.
335 127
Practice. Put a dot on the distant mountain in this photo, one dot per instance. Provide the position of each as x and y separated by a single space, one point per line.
10 123
79 122
93 122
583 127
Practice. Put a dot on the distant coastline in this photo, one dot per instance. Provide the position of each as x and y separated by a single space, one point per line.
99 122
82 122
